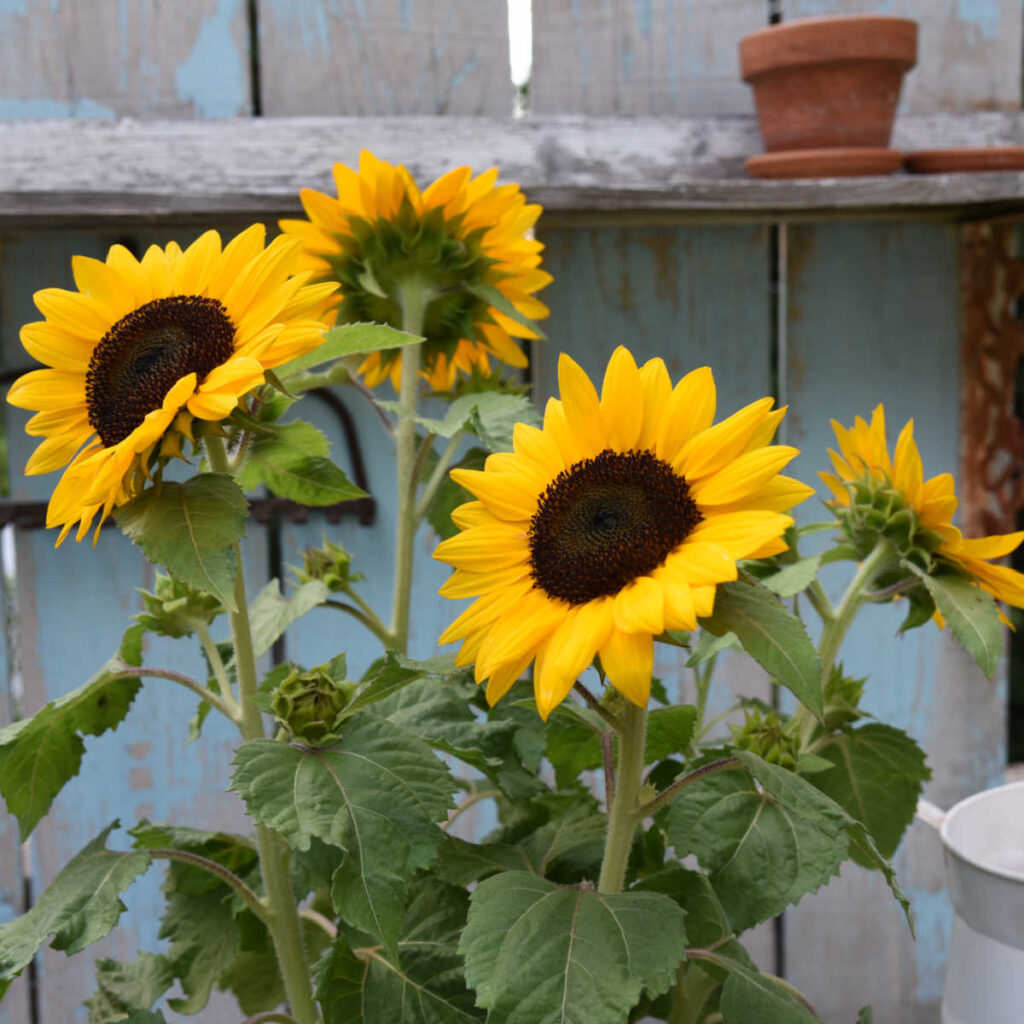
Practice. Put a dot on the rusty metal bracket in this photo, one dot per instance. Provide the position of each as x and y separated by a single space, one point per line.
992 366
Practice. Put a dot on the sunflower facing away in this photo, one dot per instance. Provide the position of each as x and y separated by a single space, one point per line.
613 523
459 237
143 348
866 476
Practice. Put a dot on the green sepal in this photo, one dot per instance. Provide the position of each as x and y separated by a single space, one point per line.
495 298
190 530
80 906
537 951
174 608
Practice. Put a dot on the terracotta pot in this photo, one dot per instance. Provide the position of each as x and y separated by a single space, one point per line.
822 83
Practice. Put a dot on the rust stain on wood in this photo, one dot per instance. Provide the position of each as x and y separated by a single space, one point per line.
140 778
140 751
992 360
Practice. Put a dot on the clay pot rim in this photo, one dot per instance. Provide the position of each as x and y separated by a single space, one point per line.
828 39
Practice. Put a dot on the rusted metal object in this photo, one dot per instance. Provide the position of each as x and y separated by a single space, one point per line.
992 362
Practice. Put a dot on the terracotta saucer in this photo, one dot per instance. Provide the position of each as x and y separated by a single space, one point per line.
976 158
848 162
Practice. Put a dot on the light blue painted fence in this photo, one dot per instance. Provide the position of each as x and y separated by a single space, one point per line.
871 312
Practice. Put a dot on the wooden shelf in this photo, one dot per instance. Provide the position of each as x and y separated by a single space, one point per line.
59 172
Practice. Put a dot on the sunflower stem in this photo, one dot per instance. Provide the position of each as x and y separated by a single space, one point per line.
282 911
220 673
690 994
835 629
413 298
623 819
437 477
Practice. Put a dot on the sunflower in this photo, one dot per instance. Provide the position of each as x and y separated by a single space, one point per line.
465 239
145 347
866 479
613 523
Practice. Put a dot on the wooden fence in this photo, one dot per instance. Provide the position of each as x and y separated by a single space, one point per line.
835 295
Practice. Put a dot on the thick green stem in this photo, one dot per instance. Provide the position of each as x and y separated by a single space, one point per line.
623 817
690 994
413 298
437 477
251 900
282 910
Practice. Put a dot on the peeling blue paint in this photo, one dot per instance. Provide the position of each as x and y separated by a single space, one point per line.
213 77
14 109
933 916
982 15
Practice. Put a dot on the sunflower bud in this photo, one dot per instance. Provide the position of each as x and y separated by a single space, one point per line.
842 699
175 608
768 737
329 563
307 704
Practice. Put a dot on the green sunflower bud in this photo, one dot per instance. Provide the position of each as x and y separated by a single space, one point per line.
769 737
329 563
842 699
307 704
175 608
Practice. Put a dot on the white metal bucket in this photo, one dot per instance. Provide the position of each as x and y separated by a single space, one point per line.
983 840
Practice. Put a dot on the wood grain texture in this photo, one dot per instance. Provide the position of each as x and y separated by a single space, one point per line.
387 57
57 172
874 316
75 603
114 58
641 57
969 52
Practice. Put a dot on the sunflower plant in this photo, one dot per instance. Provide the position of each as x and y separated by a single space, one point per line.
640 825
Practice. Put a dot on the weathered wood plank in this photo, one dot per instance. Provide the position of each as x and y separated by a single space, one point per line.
388 57
968 52
669 292
75 603
642 57
109 58
873 315
83 172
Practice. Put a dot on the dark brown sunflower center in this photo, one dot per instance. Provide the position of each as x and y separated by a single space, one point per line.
146 353
605 521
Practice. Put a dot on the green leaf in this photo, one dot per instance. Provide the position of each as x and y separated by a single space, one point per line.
276 445
461 863
865 1016
145 1017
669 731
80 906
709 646
490 415
424 985
350 340
376 795
877 776
491 295
750 996
971 613
771 635
271 614
792 579
38 755
308 479
124 987
570 846
539 952
764 850
190 529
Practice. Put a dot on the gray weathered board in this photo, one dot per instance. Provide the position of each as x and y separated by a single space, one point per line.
871 312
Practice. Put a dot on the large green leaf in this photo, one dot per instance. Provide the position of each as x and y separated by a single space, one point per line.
461 862
772 635
377 795
310 480
877 775
763 851
38 755
748 995
190 529
538 952
490 415
350 340
271 614
277 444
971 613
795 578
360 984
80 906
125 987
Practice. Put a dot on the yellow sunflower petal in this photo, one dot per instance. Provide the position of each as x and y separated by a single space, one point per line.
628 662
621 411
640 607
689 410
